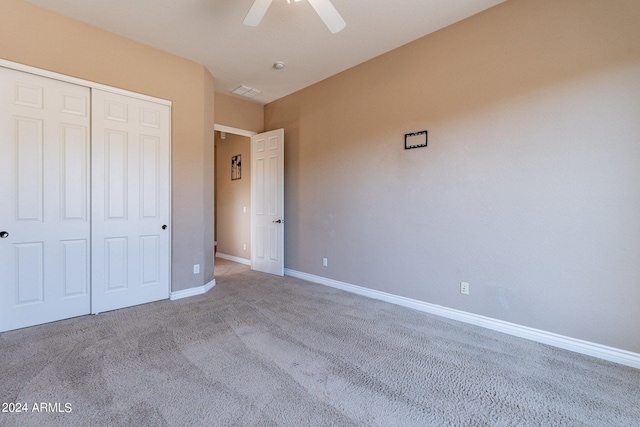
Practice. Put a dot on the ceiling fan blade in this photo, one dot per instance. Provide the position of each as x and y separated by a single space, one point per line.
256 13
329 15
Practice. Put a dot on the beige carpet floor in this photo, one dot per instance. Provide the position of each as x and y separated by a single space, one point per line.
259 350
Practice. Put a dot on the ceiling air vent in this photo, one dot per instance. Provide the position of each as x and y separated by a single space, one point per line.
247 91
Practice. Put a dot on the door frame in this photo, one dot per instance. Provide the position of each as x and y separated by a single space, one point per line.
248 134
94 85
235 131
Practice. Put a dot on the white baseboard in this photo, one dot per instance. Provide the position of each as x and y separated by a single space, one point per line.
611 354
234 258
191 292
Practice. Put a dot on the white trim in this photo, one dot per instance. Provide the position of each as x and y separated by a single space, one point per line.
81 82
235 131
611 354
191 292
170 217
234 258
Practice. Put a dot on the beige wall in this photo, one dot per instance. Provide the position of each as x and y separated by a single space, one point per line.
529 188
239 113
37 37
233 228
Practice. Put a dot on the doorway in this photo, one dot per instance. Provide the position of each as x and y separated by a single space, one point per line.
263 189
233 195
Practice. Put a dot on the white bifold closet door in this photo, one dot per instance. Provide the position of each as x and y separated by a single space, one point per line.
130 201
44 200
84 200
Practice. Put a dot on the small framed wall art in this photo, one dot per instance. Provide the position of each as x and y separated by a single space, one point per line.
236 167
415 140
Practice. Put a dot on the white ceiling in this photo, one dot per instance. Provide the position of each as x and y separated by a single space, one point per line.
211 32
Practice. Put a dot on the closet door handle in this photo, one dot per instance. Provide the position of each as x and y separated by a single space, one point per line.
164 227
3 234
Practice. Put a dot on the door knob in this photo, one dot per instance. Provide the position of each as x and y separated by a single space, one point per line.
278 221
164 227
3 234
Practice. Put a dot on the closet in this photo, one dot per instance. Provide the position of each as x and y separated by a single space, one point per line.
84 184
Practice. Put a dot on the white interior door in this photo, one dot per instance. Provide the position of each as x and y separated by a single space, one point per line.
267 202
44 189
130 201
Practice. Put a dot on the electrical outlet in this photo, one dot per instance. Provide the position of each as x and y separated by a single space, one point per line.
324 262
464 288
196 268
244 246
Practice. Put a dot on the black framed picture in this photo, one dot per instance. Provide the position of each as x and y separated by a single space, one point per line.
415 140
236 167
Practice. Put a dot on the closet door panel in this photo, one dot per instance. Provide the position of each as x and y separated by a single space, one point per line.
44 175
130 201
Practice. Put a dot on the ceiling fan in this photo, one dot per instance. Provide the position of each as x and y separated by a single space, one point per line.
324 8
